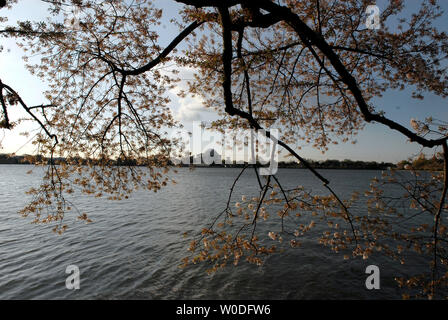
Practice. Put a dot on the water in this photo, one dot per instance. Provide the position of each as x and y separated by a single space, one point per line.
133 248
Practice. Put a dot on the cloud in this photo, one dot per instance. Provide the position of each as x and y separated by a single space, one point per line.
189 108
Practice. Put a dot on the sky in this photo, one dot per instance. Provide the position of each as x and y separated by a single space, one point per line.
374 143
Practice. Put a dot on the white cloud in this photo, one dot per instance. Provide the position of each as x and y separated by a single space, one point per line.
189 108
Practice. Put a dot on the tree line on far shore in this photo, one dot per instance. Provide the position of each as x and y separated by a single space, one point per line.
433 163
420 163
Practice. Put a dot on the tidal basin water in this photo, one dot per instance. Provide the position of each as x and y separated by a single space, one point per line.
133 248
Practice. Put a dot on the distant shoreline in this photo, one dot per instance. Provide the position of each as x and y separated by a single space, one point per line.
421 163
230 167
236 167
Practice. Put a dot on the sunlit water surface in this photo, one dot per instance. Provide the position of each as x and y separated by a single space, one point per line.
134 247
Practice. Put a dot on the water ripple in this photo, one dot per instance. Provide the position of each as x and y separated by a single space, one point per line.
133 248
